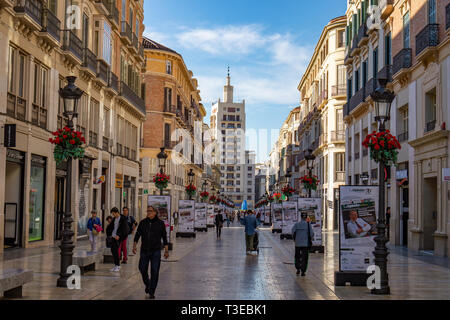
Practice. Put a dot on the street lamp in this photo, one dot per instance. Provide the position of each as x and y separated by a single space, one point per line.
204 185
162 157
70 95
310 158
382 98
288 176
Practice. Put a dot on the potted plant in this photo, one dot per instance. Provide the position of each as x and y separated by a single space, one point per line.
68 144
310 182
161 181
383 147
191 190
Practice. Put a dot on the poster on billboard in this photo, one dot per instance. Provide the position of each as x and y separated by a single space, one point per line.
267 215
186 210
277 217
313 208
357 228
289 218
162 206
200 217
210 215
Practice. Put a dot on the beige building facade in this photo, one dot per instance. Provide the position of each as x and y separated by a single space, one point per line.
321 129
38 49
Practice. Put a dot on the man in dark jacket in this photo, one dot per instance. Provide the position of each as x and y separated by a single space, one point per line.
218 221
118 230
152 230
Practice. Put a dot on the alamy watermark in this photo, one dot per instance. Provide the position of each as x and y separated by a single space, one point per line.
74 281
374 280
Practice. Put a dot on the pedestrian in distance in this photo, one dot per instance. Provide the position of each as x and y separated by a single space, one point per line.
250 224
228 220
151 231
218 221
117 231
302 234
132 224
94 227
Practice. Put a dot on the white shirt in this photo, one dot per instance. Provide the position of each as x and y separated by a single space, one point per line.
352 227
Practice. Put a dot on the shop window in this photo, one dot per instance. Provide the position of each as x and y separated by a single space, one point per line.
37 198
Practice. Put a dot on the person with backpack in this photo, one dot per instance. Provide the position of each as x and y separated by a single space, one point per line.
132 224
94 227
116 232
302 234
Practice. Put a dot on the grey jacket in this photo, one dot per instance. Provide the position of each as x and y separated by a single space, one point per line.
300 232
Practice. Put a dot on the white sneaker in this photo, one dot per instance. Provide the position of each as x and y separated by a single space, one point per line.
115 269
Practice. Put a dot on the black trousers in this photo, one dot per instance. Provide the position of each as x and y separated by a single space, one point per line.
154 260
301 258
115 251
218 231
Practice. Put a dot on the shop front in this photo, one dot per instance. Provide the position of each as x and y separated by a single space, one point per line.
84 186
13 208
37 198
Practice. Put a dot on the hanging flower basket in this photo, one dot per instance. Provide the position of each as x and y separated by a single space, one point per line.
161 181
270 199
277 197
383 147
191 190
68 144
204 195
212 199
288 191
310 183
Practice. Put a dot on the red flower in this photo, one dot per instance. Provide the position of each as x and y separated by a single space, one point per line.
66 129
377 147
65 136
382 143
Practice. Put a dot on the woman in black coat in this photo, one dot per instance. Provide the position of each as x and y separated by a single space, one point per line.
218 221
120 235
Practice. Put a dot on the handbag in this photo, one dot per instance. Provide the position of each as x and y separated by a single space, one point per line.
309 238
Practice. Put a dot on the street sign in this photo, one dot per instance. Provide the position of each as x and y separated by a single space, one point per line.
10 136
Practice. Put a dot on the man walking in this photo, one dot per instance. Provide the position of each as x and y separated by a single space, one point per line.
218 221
302 234
132 224
250 224
118 231
152 230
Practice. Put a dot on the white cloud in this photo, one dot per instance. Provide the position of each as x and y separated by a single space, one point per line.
236 40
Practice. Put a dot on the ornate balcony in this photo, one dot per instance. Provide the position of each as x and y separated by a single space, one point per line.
51 29
356 100
430 126
134 47
140 56
113 15
370 87
346 111
402 60
385 73
102 72
339 90
362 38
337 136
127 94
427 38
105 144
170 109
30 13
103 6
126 34
402 137
72 46
89 62
113 82
386 8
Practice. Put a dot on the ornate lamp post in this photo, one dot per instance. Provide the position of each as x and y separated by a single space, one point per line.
383 99
191 176
310 158
162 158
70 94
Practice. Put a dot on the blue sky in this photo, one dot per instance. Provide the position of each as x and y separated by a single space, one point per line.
267 44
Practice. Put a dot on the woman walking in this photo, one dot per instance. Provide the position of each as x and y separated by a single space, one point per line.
94 227
218 221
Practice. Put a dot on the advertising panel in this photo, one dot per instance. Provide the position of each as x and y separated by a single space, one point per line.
357 228
162 206
186 219
289 217
210 215
200 216
277 215
313 207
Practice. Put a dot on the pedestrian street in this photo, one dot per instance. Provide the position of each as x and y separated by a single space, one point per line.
208 268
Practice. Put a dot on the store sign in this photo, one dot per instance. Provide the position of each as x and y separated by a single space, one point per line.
119 183
10 136
14 155
401 174
445 174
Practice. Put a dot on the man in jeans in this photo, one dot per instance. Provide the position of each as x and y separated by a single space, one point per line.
132 224
152 230
250 224
118 231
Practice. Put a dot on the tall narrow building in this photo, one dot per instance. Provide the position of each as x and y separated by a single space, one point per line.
228 130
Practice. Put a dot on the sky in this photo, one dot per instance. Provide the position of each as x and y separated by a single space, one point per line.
266 43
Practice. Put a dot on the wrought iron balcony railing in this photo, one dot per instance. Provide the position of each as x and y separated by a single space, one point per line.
402 60
89 60
132 97
339 90
31 8
126 32
52 26
428 37
102 71
113 81
402 137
